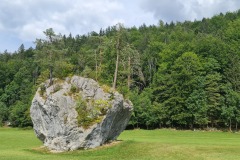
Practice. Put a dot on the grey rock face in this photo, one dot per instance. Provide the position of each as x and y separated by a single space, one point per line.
62 124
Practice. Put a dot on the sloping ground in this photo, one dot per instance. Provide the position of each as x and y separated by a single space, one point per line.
17 144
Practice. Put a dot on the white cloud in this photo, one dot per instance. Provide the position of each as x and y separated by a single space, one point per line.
28 19
22 21
179 10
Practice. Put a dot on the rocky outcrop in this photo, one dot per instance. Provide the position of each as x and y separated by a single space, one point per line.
78 113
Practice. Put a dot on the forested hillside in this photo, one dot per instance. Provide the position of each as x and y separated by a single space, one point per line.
183 74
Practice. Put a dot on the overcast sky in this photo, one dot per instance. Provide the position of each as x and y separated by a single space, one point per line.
22 21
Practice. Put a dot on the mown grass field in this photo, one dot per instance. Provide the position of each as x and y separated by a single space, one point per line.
18 144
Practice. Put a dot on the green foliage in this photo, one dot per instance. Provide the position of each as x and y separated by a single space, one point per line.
88 72
197 108
63 69
74 89
91 111
84 119
230 109
184 74
106 89
20 115
102 106
56 88
3 113
42 89
43 76
143 109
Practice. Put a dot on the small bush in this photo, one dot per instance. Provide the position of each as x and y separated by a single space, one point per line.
106 88
74 89
102 106
109 90
56 88
90 112
42 89
81 108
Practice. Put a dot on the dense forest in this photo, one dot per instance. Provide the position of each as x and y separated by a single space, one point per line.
181 74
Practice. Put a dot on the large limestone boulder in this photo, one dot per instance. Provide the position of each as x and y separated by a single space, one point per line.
78 113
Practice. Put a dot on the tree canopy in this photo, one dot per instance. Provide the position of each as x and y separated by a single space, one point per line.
183 74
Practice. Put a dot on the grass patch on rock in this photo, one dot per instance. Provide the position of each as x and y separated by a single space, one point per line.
90 111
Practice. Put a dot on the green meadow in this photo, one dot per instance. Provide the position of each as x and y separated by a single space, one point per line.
18 144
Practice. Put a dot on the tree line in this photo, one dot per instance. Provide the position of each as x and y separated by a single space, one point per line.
178 74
